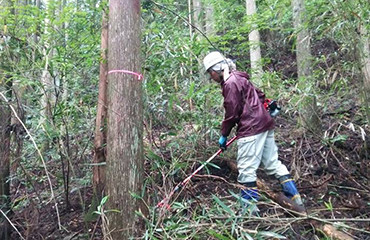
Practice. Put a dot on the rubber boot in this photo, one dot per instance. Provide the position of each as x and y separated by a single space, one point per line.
249 198
290 190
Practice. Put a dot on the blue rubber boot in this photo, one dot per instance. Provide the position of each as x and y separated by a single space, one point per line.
290 190
250 194
249 198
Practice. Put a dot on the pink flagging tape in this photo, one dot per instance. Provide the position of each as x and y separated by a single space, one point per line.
138 75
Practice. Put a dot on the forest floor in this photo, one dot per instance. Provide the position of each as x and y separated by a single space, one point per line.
332 177
332 173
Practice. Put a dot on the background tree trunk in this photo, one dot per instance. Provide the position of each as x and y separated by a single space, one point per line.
254 43
365 67
198 17
125 118
308 111
5 128
190 19
209 20
46 80
101 114
17 128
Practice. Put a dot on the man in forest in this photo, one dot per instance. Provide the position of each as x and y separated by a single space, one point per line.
244 107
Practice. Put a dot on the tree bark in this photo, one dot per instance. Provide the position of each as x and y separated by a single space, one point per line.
190 19
197 16
254 43
125 117
365 67
5 128
18 130
101 115
209 20
46 80
308 112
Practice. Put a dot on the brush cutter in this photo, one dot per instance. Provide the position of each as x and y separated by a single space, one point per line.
164 202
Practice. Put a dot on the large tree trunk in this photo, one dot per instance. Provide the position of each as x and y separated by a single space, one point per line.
254 42
125 118
101 114
308 112
5 120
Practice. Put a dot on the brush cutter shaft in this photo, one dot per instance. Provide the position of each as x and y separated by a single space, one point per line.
201 166
206 162
164 202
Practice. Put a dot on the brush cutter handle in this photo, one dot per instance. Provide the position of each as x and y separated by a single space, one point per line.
227 144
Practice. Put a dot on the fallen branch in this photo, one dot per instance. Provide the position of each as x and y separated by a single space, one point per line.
333 233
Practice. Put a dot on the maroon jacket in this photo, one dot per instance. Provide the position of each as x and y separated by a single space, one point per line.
243 105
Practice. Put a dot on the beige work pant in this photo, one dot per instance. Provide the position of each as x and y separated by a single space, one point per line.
257 149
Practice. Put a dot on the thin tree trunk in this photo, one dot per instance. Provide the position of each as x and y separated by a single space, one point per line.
254 42
61 91
5 128
308 112
190 19
46 81
101 114
197 16
209 20
365 67
18 131
125 119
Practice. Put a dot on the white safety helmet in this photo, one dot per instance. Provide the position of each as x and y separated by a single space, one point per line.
212 59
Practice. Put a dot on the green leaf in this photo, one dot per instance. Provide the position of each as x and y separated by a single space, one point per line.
339 138
270 234
223 205
104 200
112 210
191 91
214 165
97 212
249 237
213 233
135 195
95 164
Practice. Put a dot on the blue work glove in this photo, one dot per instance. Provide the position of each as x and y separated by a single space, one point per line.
222 142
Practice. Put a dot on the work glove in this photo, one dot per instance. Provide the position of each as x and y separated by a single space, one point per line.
222 142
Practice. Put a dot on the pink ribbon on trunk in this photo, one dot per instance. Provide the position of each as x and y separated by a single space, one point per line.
138 75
